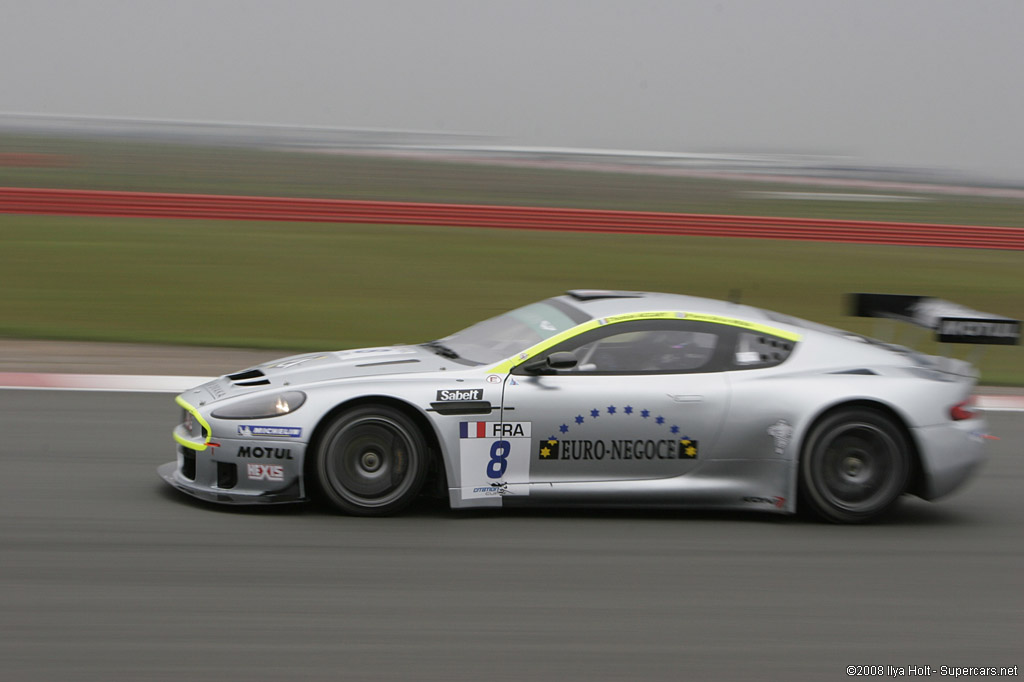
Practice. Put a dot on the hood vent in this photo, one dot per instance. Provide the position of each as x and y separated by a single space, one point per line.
260 382
247 374
388 362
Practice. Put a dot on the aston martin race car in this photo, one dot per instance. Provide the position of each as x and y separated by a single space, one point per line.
604 398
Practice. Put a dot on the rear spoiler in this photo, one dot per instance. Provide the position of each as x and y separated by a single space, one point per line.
952 323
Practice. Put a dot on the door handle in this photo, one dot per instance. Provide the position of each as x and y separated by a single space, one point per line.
686 398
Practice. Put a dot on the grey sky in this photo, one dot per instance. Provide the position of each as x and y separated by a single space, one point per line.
920 82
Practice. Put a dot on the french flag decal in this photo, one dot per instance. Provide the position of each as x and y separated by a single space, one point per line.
472 429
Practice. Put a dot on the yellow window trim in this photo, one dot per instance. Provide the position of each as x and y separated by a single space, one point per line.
535 350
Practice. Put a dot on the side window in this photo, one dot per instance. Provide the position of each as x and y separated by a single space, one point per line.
755 350
647 351
650 347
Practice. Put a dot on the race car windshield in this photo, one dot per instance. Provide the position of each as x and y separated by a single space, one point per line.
505 335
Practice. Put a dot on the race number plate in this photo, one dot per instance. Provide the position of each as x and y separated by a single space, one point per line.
495 456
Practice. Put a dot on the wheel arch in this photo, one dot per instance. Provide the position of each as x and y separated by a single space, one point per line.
436 454
915 480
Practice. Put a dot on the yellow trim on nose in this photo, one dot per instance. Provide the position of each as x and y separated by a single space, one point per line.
190 444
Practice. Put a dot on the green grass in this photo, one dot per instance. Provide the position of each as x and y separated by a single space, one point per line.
314 286
136 165
309 286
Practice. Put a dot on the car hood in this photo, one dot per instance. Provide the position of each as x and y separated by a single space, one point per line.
297 370
352 363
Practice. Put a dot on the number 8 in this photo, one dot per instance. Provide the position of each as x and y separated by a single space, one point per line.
499 458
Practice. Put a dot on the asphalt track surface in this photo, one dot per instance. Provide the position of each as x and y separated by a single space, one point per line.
108 574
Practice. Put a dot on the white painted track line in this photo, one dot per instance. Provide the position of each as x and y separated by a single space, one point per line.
100 382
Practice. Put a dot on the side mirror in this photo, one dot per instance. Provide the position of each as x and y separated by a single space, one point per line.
555 361
563 360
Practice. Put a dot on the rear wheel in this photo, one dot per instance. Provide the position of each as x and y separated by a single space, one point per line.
371 461
854 466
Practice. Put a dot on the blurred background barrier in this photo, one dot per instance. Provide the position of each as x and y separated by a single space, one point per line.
161 205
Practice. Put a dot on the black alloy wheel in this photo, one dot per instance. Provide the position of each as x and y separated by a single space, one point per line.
854 466
371 461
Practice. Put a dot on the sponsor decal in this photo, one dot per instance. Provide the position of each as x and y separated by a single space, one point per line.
782 432
622 449
568 446
459 394
494 429
216 390
648 420
258 431
1001 329
493 455
776 501
626 317
743 324
493 489
264 453
264 472
962 328
493 379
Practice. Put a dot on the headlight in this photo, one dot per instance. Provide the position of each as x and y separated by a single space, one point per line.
263 407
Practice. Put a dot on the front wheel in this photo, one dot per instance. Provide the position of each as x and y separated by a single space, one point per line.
854 466
371 461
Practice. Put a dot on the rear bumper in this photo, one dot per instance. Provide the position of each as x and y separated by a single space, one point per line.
950 455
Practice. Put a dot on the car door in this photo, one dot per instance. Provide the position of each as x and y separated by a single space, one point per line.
644 400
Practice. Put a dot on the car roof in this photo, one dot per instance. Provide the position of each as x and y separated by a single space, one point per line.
604 302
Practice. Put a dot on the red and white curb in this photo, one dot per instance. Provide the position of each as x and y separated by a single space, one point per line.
178 384
1000 403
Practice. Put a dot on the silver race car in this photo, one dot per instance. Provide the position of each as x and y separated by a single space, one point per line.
604 398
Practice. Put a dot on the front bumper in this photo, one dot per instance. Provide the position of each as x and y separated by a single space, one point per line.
243 470
242 474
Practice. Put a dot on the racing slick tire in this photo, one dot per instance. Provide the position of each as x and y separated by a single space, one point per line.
854 466
371 461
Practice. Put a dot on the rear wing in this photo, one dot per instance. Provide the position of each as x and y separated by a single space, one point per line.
952 323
